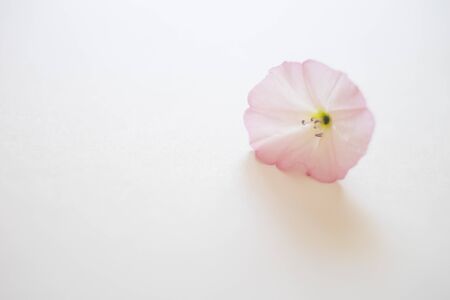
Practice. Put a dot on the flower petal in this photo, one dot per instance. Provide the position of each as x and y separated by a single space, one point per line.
320 81
283 89
345 96
262 125
323 163
352 135
297 156
273 149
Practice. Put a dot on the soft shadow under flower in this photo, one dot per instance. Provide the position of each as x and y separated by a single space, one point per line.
319 217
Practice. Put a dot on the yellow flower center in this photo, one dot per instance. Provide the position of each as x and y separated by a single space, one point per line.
323 117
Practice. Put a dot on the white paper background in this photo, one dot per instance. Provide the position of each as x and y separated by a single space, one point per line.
125 171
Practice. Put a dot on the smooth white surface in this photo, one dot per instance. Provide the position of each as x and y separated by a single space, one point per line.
125 171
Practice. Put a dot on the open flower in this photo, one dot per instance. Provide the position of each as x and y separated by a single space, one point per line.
308 117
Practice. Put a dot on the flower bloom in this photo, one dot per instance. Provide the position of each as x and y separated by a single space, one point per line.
308 117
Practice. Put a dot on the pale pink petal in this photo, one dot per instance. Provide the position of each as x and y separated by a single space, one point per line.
345 96
352 135
273 149
261 126
297 156
323 164
320 81
282 89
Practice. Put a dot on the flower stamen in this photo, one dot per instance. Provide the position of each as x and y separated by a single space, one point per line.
319 122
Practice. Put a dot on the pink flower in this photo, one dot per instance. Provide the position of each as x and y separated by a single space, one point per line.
308 117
